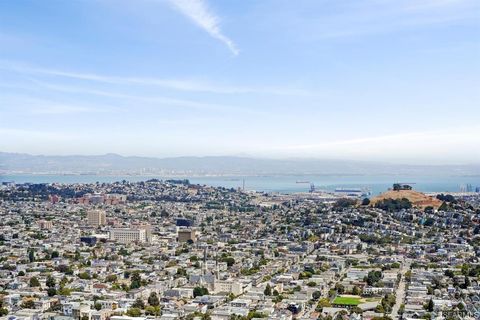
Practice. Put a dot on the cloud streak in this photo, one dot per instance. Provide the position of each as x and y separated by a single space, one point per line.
377 17
446 145
199 13
174 84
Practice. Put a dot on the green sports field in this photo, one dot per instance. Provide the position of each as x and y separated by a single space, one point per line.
347 301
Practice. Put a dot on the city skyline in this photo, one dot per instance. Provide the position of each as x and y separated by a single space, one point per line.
368 80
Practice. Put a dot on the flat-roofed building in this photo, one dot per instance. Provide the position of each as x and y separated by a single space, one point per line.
96 218
185 235
45 224
128 235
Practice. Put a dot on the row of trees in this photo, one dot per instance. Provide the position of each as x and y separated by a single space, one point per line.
392 205
138 307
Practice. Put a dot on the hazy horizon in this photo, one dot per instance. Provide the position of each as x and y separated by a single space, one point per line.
382 81
246 156
285 165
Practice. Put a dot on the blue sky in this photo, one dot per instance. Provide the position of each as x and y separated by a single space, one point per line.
384 80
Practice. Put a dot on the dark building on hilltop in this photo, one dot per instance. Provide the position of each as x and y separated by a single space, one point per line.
184 222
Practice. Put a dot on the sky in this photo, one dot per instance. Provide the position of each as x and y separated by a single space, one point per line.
383 80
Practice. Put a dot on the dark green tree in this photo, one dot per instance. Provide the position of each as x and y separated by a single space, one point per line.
268 290
50 282
136 280
200 291
139 304
430 305
28 304
153 299
31 255
34 282
51 292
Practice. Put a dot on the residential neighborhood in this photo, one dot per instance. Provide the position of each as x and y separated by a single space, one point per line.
173 250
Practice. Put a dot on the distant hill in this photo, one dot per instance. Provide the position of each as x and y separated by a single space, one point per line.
113 163
418 199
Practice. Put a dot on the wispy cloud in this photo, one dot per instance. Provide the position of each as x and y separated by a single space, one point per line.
199 12
156 100
144 100
448 143
174 84
36 106
59 109
375 17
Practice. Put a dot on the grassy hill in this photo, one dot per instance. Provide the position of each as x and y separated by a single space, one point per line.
417 199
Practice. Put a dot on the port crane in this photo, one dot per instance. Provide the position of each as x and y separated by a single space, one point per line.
312 185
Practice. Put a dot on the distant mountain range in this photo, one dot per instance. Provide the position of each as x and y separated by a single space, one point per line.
11 163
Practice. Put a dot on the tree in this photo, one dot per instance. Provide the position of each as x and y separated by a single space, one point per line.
344 203
356 291
268 290
373 277
64 291
443 207
256 314
28 304
449 273
181 272
134 312
323 303
50 282
316 295
152 310
54 255
139 304
84 276
356 310
428 209
31 255
34 282
3 312
365 202
229 260
446 198
430 305
200 291
392 205
111 278
97 306
153 299
467 283
136 280
63 282
380 309
51 292
206 316
340 288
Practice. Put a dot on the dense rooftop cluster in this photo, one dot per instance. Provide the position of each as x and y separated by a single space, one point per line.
172 250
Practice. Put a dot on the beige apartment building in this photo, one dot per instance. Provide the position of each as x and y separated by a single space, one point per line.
96 218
